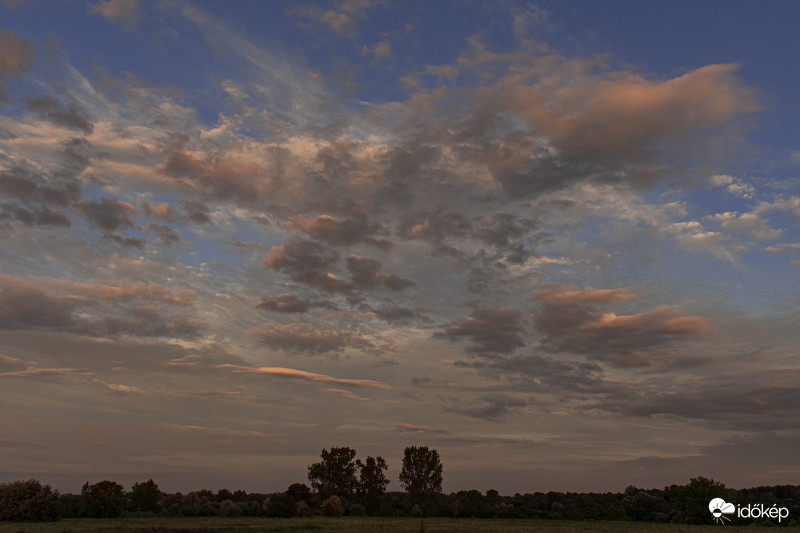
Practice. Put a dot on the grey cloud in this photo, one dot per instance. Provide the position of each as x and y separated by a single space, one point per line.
151 321
398 314
290 303
15 54
307 262
32 188
436 226
123 11
197 212
491 331
126 242
365 274
41 216
166 235
108 213
342 231
571 321
71 115
507 233
24 304
494 407
221 178
535 371
304 339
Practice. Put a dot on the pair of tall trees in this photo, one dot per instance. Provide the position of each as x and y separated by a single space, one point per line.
335 475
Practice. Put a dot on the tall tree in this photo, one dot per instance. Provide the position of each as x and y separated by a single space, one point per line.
105 499
372 482
422 473
145 497
335 475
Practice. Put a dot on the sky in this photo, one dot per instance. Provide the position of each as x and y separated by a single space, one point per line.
556 241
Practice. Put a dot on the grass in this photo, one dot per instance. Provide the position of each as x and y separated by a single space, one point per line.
346 525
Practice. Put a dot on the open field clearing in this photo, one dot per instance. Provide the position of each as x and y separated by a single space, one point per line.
346 525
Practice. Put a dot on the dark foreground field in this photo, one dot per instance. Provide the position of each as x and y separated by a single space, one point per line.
345 525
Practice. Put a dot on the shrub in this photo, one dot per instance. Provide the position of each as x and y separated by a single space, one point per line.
102 500
333 506
28 501
280 506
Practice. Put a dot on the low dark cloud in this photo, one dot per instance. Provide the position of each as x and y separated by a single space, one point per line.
197 212
306 262
166 235
436 227
493 407
218 177
108 213
32 188
341 231
398 314
15 54
490 331
305 339
39 216
151 321
573 321
71 115
24 304
365 273
508 233
290 303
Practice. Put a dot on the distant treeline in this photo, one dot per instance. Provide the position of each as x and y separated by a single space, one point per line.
32 501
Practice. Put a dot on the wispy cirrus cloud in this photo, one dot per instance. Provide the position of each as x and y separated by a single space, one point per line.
291 373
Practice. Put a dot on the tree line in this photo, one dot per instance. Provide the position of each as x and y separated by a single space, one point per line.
341 484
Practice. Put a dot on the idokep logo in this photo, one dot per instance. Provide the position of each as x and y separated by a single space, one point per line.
719 508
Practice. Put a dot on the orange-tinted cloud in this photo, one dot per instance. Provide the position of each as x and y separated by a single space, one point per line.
308 376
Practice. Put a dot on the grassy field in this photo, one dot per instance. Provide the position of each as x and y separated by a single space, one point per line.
346 525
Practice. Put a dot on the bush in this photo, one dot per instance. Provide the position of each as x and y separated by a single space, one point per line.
28 501
102 500
280 506
357 510
333 506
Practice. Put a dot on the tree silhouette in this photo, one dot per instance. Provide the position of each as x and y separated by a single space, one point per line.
372 482
335 475
422 473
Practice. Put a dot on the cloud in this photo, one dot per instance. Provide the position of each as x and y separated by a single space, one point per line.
495 406
96 309
163 211
125 11
733 185
304 338
437 226
571 321
343 18
24 304
491 331
15 54
347 394
289 303
365 274
108 213
71 116
416 428
351 230
748 224
220 178
306 262
291 373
